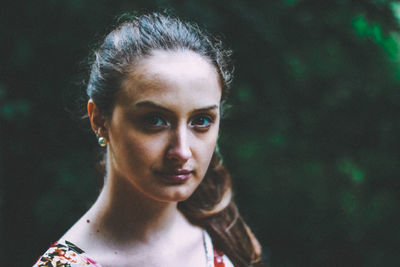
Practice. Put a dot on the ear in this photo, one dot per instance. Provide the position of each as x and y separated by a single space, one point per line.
97 121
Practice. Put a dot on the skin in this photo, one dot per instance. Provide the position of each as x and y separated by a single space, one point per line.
165 120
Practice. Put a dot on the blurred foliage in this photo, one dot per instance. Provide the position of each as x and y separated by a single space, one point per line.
312 139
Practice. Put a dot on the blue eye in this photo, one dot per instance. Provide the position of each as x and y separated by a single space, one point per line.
154 121
203 122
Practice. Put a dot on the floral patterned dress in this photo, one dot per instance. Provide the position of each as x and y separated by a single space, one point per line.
65 254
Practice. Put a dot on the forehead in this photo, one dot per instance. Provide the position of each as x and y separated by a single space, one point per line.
172 77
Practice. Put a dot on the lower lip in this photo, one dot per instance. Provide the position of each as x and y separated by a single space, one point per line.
176 178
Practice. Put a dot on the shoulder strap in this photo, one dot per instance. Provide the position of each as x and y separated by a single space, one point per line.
209 249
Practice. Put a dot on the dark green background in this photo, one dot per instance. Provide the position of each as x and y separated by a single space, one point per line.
312 138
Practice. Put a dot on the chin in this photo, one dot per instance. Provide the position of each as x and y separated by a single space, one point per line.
176 195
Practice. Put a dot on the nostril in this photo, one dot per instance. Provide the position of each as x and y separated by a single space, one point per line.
179 153
180 146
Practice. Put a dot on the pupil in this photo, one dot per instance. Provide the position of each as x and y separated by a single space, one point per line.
202 121
155 120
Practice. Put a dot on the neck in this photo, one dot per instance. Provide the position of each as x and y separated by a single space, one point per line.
124 214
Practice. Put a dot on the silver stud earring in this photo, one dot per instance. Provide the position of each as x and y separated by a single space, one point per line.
102 141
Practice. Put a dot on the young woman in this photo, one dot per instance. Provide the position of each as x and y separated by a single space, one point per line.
156 91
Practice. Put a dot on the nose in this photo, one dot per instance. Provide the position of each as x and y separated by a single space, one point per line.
179 149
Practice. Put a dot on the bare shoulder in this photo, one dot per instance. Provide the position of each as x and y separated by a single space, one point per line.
79 231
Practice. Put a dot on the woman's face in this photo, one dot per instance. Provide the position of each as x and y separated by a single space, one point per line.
164 126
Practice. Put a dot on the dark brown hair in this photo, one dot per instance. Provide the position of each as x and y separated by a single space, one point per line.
211 205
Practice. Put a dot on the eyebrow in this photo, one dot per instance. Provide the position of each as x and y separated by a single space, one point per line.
155 105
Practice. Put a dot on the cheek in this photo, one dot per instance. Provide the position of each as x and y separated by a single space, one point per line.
134 151
206 150
144 150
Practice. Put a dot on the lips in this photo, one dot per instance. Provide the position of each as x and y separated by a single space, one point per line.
176 175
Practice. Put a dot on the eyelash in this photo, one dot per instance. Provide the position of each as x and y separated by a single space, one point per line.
202 117
158 122
149 121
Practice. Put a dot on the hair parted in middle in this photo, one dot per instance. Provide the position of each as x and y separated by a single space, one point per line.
138 38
